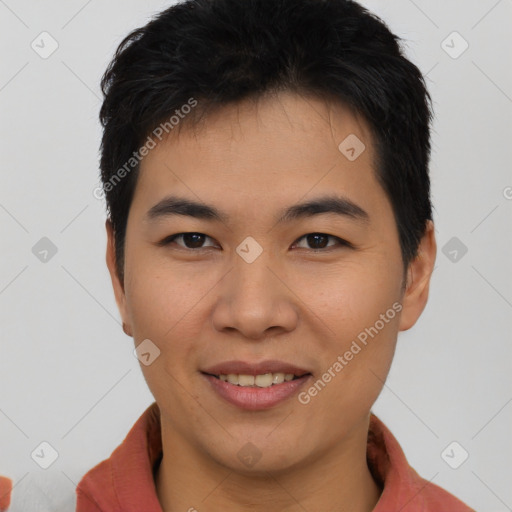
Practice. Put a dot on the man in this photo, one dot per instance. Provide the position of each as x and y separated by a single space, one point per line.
265 167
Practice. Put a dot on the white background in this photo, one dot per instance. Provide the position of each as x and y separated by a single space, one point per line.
67 372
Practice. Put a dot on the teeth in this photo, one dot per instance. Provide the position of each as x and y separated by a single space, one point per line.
232 378
262 381
277 378
246 380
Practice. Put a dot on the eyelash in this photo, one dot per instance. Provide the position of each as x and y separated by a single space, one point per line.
169 239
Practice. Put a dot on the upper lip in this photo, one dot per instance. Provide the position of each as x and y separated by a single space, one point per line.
247 368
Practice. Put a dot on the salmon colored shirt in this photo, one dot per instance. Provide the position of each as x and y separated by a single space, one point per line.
125 481
5 493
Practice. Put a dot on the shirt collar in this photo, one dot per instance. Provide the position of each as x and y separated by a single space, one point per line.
131 471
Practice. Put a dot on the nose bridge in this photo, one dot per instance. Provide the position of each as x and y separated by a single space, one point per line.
254 282
253 299
252 287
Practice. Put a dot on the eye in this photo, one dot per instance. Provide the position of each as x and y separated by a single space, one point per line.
193 241
190 240
319 241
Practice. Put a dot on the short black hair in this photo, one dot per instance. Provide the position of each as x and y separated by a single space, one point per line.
212 53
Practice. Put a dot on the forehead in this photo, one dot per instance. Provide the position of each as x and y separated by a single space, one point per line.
280 148
276 121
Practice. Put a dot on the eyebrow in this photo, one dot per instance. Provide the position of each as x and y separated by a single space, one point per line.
332 204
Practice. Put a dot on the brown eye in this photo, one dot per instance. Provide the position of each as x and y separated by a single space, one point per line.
319 241
189 240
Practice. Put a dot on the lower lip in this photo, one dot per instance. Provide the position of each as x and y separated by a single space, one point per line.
254 398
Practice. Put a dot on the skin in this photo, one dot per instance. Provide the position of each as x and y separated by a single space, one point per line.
205 305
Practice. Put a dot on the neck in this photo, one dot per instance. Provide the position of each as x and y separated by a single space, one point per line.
335 481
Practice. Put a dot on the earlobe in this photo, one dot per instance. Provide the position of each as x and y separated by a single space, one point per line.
419 273
127 330
117 286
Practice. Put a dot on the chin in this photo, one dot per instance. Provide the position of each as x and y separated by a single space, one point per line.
258 456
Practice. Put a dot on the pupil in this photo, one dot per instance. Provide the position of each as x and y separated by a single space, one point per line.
313 240
193 240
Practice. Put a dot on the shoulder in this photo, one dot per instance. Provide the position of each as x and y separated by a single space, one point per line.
434 498
402 487
96 491
127 474
5 493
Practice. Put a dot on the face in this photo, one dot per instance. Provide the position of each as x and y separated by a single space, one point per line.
251 283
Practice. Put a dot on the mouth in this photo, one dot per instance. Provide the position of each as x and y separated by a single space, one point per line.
255 386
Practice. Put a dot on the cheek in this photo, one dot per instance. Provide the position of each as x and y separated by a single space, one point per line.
353 296
162 310
160 298
357 351
166 306
361 306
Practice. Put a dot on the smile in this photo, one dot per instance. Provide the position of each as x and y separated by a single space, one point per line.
256 392
261 381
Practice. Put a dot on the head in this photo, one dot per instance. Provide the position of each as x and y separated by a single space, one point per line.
302 133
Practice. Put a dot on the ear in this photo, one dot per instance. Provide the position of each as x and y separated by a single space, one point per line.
116 283
419 272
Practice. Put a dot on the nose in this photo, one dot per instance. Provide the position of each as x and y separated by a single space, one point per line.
255 301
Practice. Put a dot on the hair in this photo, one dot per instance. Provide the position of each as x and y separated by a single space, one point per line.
221 52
